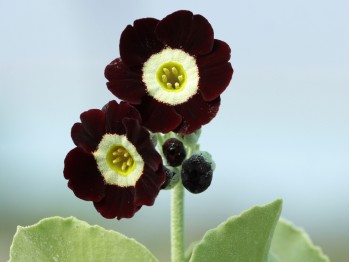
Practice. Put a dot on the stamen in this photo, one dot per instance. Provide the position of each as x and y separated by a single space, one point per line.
170 76
118 159
166 71
129 162
174 70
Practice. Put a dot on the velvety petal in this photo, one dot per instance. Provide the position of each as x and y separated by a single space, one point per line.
139 42
115 113
148 186
140 138
124 82
215 71
220 54
182 29
196 112
89 132
118 202
157 116
214 81
84 178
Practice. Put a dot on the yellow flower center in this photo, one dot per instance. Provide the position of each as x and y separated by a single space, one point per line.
120 160
171 76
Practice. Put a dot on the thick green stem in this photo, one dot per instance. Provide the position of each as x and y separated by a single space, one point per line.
177 224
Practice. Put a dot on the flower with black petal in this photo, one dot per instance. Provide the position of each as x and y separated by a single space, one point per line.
114 163
172 70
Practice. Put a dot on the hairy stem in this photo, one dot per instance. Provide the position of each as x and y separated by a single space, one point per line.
177 224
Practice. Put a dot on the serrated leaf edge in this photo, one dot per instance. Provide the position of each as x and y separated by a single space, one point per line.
240 216
306 237
73 219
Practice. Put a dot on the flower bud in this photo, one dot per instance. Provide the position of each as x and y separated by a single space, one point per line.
197 172
174 151
172 177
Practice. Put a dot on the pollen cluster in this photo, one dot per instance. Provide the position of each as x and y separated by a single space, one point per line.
120 160
171 76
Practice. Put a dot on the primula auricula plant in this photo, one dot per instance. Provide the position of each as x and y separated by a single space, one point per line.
169 78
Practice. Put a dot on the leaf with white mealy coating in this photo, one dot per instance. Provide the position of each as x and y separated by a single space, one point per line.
244 238
69 239
291 244
272 258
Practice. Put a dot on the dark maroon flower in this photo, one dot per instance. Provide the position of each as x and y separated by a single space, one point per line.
172 70
115 164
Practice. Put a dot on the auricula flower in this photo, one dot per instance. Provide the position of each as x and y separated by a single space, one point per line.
115 164
172 70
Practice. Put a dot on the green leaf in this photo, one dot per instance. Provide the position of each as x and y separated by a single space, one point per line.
272 258
244 238
291 244
69 239
189 251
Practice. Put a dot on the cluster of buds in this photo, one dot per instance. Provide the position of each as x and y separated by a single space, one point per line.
194 170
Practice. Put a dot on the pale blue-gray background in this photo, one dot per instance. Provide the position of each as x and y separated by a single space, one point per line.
282 129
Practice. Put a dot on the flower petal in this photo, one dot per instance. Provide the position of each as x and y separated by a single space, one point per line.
220 54
140 138
118 202
84 178
215 71
124 82
214 81
182 29
89 132
115 113
139 42
147 188
158 117
196 112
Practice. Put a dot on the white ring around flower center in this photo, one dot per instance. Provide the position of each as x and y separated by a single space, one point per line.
149 76
110 176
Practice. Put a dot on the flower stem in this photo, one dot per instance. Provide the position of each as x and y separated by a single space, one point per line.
177 224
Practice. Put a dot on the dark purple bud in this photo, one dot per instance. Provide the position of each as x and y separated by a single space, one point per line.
174 151
172 177
197 172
